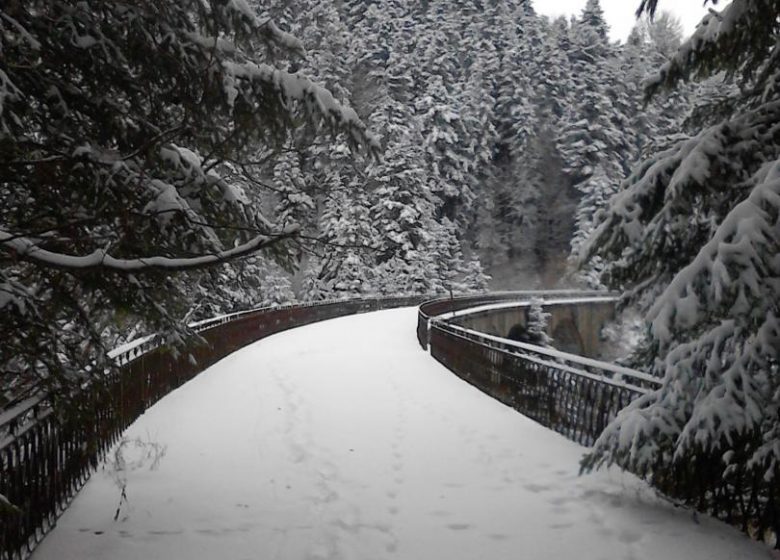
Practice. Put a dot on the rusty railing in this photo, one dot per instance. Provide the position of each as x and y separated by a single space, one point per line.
46 456
578 397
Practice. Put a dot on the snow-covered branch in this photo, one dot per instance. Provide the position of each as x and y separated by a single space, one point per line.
293 87
744 29
29 250
732 266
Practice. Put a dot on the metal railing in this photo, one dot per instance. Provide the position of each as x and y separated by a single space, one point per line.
571 394
46 454
578 397
439 307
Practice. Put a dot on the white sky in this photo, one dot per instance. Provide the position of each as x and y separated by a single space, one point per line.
620 13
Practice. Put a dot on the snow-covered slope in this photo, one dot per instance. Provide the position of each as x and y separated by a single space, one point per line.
343 440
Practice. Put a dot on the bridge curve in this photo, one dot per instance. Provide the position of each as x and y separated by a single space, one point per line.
44 459
344 440
570 393
575 322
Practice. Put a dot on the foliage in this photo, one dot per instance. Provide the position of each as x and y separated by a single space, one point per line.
129 140
694 236
538 321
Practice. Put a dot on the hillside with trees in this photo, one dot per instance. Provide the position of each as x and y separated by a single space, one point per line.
503 133
496 136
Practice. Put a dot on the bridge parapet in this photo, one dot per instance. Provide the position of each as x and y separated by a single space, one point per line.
575 323
571 393
46 456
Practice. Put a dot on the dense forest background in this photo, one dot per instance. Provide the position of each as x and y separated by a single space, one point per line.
368 148
502 135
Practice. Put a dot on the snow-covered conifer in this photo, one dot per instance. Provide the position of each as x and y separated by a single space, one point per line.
538 320
694 236
130 136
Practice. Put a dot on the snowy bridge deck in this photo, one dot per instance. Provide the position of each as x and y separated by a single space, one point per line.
343 440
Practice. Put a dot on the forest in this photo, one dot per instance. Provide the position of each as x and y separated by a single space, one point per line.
370 148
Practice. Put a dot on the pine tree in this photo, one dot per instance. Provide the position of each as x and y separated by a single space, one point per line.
594 141
695 235
508 207
538 320
593 17
343 264
474 278
249 283
128 137
276 288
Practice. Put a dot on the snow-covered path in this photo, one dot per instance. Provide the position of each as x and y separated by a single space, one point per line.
343 440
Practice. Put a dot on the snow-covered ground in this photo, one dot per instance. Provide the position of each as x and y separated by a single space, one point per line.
343 440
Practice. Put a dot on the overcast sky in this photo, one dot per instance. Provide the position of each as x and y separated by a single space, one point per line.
620 13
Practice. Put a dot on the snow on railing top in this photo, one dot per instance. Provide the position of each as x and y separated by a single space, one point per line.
510 297
10 415
525 303
605 371
133 349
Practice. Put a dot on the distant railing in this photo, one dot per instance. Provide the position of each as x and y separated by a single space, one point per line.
47 455
571 394
443 306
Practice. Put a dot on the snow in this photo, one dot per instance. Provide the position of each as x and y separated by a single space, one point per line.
166 201
284 39
555 354
23 33
526 303
124 348
179 157
82 150
14 294
99 258
85 41
244 9
220 43
294 87
344 440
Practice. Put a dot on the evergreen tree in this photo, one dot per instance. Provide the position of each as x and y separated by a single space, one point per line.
508 206
594 141
694 235
538 320
249 283
593 17
663 32
343 264
127 139
472 279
